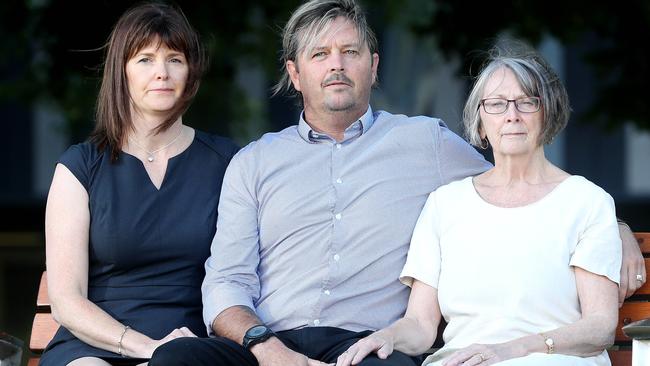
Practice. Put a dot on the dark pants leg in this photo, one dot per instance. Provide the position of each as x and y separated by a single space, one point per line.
202 351
327 344
319 343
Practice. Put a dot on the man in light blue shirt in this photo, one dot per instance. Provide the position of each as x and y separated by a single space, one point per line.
315 220
313 230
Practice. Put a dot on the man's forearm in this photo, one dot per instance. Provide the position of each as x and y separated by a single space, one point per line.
233 322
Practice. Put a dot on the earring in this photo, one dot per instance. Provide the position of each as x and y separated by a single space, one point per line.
484 144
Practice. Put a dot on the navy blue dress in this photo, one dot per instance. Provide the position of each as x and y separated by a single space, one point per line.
147 247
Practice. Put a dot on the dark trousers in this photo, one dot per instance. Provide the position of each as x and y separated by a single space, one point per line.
319 343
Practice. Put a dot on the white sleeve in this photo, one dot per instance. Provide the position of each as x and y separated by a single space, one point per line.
423 260
599 245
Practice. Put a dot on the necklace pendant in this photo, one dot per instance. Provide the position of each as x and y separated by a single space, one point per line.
150 154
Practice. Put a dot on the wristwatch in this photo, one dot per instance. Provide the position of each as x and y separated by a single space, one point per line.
256 334
550 345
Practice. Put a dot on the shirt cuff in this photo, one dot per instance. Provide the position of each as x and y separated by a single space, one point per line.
220 298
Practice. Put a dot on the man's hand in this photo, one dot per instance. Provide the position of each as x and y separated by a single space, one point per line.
274 353
633 273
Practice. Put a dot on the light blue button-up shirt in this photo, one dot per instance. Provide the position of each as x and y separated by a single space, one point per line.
315 232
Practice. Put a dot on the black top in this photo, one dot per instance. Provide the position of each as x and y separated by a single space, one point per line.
147 246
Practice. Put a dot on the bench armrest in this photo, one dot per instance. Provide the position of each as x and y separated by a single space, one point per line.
638 330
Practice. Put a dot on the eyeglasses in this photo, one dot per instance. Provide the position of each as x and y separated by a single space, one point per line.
500 105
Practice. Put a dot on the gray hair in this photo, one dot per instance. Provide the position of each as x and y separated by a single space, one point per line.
536 78
308 23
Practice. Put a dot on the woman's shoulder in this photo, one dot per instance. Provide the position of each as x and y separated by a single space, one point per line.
453 194
84 153
579 186
82 160
222 146
578 194
457 187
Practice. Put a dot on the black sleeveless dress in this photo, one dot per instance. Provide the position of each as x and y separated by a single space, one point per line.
147 246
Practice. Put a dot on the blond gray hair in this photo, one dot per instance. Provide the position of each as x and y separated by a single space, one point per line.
537 79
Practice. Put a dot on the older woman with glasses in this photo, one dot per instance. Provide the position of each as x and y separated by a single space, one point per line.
523 260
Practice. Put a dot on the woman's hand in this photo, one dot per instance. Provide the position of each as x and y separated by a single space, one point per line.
379 343
413 334
480 354
633 273
176 333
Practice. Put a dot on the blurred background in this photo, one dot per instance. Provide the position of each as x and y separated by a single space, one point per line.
50 63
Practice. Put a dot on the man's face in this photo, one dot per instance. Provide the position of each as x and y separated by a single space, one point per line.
337 73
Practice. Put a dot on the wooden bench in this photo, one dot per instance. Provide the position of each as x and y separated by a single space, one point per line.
636 307
43 327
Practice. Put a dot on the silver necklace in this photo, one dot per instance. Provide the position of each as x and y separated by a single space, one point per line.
150 154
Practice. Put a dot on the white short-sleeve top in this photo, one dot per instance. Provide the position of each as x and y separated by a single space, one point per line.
503 273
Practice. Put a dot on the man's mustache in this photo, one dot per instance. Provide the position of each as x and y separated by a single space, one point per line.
338 78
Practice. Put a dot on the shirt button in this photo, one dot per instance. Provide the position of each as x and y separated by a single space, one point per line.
338 146
337 257
327 292
339 181
316 322
338 216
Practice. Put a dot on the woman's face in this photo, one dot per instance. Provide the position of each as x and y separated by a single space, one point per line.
512 132
156 77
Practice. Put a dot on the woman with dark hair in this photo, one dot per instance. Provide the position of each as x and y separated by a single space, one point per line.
131 213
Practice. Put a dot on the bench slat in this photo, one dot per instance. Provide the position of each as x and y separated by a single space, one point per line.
644 242
43 329
42 299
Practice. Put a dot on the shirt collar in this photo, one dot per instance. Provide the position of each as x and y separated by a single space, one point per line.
359 127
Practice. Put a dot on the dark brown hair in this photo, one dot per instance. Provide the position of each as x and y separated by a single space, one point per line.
137 28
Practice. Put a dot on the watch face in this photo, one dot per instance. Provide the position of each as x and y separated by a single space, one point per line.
255 335
257 331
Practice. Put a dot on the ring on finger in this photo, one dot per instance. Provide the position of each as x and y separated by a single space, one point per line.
481 357
639 278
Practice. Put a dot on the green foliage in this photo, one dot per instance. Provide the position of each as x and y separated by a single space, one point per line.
615 33
56 55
